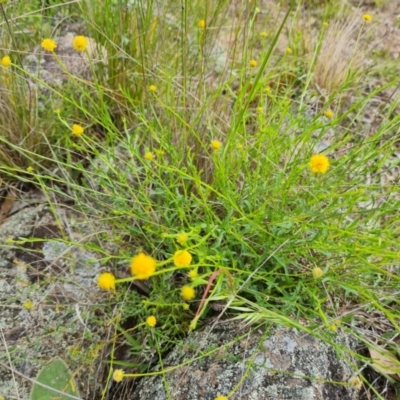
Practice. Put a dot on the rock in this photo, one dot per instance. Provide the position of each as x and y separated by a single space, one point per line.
282 364
20 225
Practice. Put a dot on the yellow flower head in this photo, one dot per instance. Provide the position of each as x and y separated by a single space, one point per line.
143 266
317 272
216 144
188 293
182 238
151 321
118 375
30 169
253 63
28 305
325 24
289 50
329 114
319 163
201 24
152 88
148 155
240 146
264 34
182 258
221 398
80 43
367 17
77 130
193 274
6 61
106 281
260 109
49 44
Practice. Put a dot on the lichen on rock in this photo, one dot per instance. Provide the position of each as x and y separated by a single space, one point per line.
279 364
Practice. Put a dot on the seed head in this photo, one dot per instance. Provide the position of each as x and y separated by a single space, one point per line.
118 375
317 272
182 238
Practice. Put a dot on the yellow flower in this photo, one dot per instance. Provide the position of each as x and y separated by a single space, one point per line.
260 109
49 44
106 281
264 34
148 155
188 293
367 17
356 382
6 61
329 114
319 163
268 89
182 258
143 266
29 169
28 305
216 144
239 146
152 88
332 327
253 63
151 321
118 375
193 274
182 238
317 272
77 130
289 50
221 398
325 24
9 240
201 24
80 43
57 110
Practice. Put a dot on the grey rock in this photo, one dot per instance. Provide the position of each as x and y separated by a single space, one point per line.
281 364
20 225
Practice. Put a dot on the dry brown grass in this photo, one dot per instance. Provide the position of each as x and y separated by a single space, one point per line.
341 56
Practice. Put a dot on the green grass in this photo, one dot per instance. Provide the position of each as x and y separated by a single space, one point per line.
253 208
